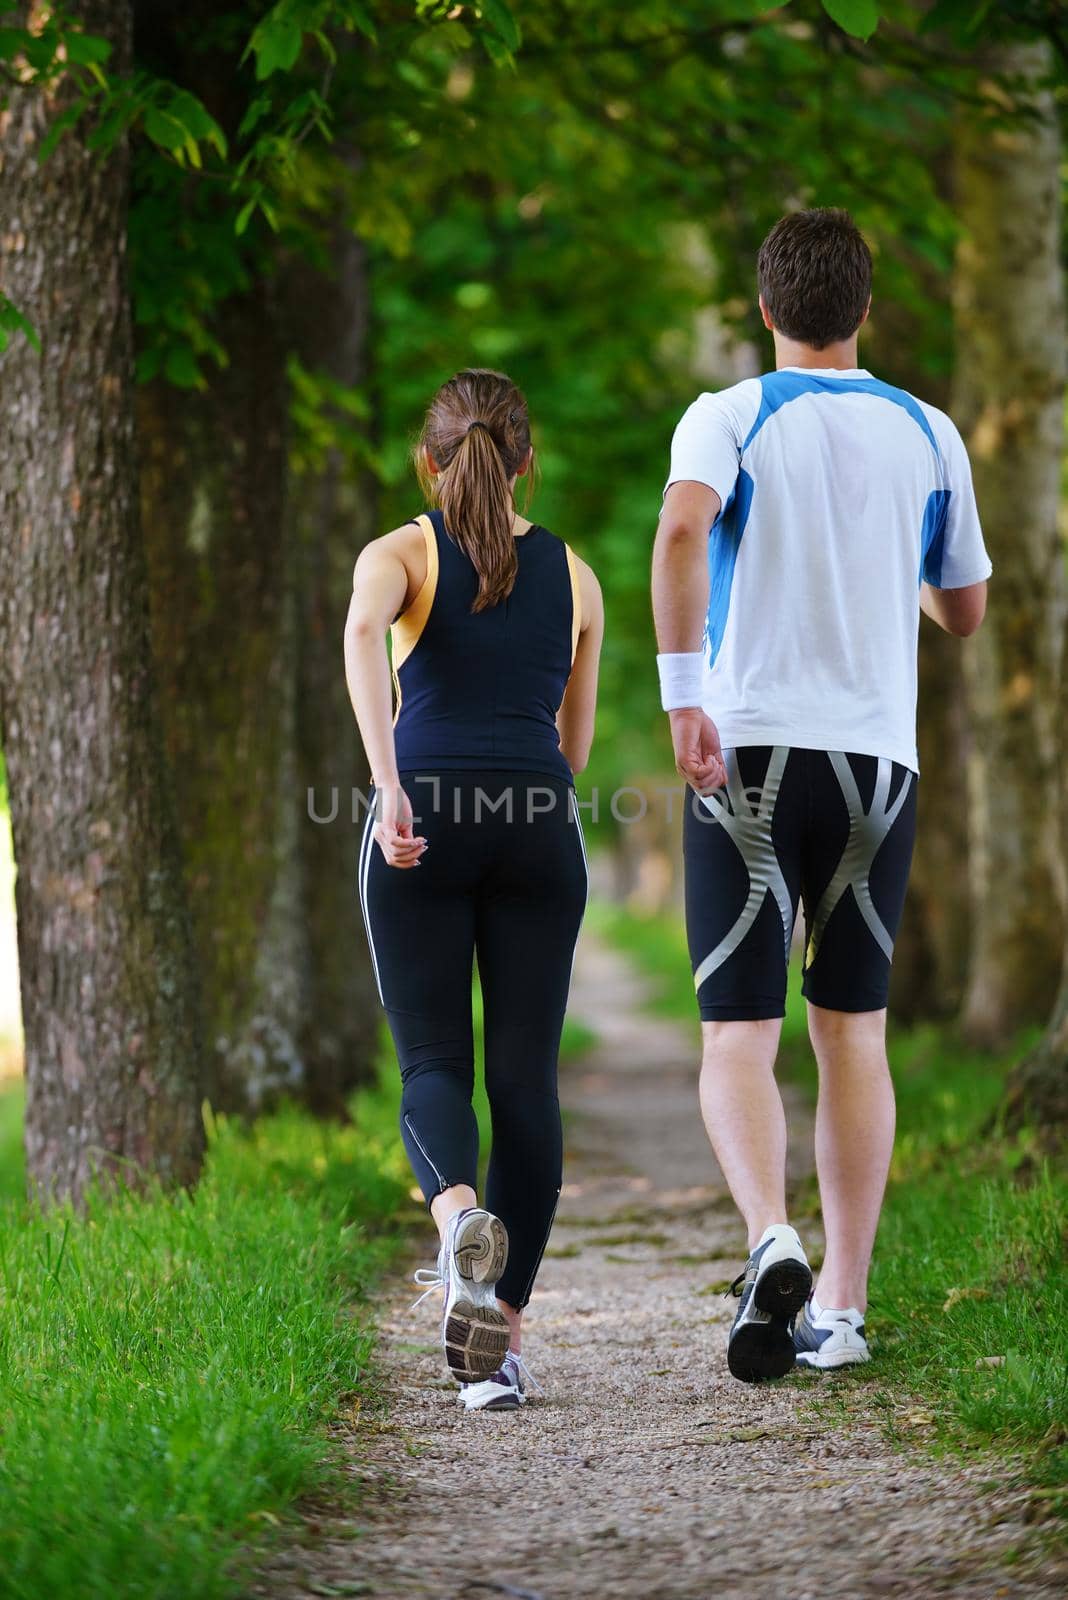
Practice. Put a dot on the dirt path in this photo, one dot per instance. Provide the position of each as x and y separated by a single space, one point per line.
647 1473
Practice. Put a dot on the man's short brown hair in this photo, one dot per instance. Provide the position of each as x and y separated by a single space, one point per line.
814 272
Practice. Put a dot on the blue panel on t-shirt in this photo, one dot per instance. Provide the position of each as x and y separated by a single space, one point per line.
723 542
935 514
778 388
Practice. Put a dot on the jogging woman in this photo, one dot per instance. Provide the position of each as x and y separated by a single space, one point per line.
473 848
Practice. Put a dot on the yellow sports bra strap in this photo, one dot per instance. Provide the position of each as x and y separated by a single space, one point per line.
409 625
576 599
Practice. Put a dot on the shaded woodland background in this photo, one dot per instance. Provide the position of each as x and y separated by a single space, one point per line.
258 239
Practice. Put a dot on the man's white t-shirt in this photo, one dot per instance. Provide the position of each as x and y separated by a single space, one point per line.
839 495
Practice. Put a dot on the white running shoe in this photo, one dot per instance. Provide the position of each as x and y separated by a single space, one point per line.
826 1337
771 1291
503 1390
474 1331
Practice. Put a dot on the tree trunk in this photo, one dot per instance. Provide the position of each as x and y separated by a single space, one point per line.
1036 1095
931 948
1009 401
113 1052
332 514
213 472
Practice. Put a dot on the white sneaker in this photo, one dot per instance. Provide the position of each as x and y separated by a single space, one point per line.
474 1332
771 1291
503 1390
829 1337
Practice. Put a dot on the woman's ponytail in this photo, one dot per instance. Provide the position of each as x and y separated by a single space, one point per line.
477 434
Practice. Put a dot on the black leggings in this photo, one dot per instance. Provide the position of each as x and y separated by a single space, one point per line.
503 877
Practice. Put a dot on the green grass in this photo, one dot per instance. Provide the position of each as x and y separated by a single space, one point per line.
970 1261
168 1365
11 1166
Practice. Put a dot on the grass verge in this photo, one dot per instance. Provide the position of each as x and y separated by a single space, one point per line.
169 1364
969 1291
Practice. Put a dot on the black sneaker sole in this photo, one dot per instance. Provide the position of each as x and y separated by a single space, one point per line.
783 1289
760 1350
757 1351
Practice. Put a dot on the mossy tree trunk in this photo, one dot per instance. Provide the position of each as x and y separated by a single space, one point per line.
1009 393
252 526
113 1051
332 513
213 475
1036 1095
931 948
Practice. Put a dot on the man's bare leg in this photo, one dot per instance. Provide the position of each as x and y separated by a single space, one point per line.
854 1142
744 1116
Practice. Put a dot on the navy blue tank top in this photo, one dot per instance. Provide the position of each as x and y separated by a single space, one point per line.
482 688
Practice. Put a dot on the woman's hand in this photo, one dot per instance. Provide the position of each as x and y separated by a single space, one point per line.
393 827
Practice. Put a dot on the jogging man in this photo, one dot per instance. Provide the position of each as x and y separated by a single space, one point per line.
808 517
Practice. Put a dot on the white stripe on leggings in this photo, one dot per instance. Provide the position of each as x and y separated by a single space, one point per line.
363 873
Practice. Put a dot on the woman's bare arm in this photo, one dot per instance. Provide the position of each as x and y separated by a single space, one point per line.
575 719
380 584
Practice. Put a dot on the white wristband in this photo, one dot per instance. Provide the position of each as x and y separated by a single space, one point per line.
682 677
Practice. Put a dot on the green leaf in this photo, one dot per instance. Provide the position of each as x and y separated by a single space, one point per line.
503 23
40 49
325 46
66 119
86 48
257 110
164 130
244 216
496 49
12 321
359 16
181 367
197 119
12 42
859 18
276 43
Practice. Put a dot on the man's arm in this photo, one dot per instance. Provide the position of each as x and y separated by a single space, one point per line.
958 611
680 603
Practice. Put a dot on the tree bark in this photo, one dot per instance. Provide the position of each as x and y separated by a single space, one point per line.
331 512
932 944
1036 1095
251 546
113 1049
213 473
1009 400
931 948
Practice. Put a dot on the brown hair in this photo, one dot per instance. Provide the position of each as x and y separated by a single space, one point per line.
478 432
814 272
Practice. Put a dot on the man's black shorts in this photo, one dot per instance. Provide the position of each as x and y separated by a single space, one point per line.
830 828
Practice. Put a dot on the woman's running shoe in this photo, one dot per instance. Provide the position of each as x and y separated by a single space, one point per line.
774 1286
474 1332
826 1337
504 1390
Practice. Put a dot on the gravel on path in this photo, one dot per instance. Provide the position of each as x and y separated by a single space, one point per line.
647 1472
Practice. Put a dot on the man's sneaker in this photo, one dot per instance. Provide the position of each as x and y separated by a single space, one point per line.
826 1337
502 1391
774 1286
474 1331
